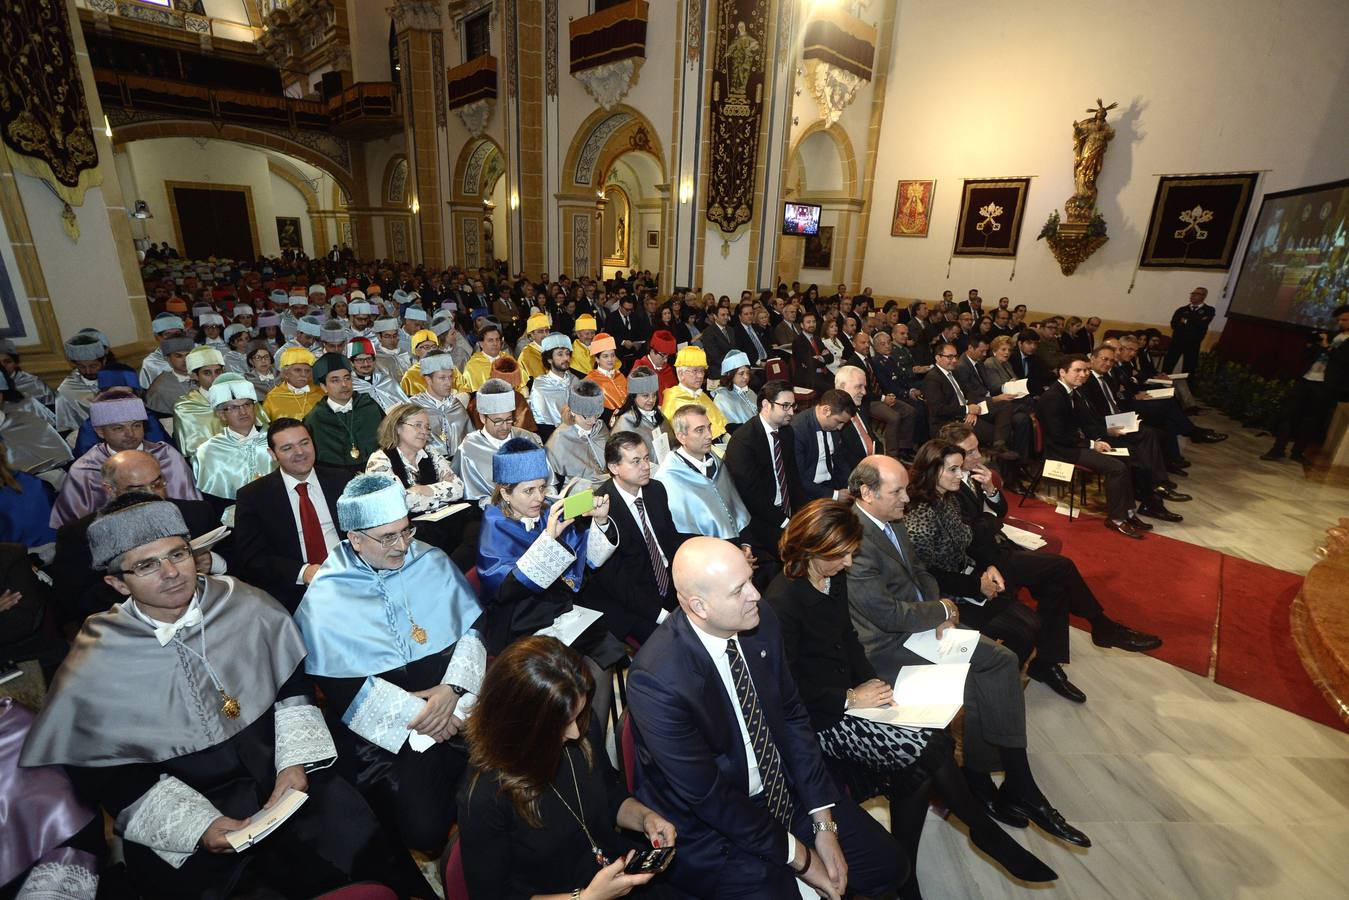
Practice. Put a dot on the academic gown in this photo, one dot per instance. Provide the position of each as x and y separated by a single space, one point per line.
154 365
380 388
337 435
572 454
528 580
679 395
412 382
581 361
356 623
25 514
30 439
700 505
140 730
548 393
478 369
641 423
165 392
531 361
73 396
665 374
30 385
738 405
83 490
473 462
614 384
228 461
282 402
448 419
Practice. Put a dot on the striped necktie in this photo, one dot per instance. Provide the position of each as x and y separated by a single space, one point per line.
774 782
780 472
653 550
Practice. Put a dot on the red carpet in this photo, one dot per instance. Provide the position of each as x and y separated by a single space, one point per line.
1248 601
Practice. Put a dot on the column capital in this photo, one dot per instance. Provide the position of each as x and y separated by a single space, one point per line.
421 15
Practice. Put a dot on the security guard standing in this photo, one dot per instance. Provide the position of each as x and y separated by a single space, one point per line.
1189 324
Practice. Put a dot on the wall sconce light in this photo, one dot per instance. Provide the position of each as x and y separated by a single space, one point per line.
686 190
107 127
416 206
515 200
141 210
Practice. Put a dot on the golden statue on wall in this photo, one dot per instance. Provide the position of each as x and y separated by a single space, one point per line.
1090 138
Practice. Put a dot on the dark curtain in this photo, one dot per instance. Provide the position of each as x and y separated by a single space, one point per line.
213 223
1270 349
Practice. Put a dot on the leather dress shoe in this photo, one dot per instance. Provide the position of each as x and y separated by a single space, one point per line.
1170 493
1168 484
1057 681
1273 455
1181 461
1042 813
1138 523
1178 471
1124 638
1125 528
1155 510
1207 436
1005 816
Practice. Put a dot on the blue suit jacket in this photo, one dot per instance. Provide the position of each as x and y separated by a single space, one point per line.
805 434
691 764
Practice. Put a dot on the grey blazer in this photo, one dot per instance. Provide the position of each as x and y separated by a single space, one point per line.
997 374
890 597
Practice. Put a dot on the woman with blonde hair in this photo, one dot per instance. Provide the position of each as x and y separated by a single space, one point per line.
810 597
997 370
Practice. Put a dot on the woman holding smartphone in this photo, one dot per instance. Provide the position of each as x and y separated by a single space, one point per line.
542 813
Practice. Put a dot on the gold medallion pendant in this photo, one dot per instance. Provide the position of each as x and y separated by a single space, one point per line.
355 454
229 705
419 634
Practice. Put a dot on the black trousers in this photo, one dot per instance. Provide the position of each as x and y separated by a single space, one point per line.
875 868
1058 589
1146 458
1119 485
1004 619
1306 415
1190 353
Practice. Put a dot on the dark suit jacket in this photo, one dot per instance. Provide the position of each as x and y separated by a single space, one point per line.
716 345
637 330
1067 425
806 370
851 450
943 404
745 344
1096 398
973 381
984 515
626 584
269 546
805 429
890 596
80 591
750 463
691 756
1038 374
784 334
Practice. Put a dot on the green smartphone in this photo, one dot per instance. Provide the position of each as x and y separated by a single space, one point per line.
578 504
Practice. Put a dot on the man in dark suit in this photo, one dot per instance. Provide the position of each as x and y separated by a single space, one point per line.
891 595
1026 363
635 589
81 591
875 411
974 305
726 752
947 402
1010 415
820 457
717 338
1189 326
1156 445
630 332
748 338
810 359
286 522
761 459
1072 433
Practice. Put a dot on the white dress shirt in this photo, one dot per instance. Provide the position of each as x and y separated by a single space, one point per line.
639 517
330 536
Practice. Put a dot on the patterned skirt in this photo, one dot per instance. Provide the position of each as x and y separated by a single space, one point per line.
870 758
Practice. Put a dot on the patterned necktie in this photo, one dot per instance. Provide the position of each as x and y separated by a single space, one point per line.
761 742
653 550
780 473
315 547
867 443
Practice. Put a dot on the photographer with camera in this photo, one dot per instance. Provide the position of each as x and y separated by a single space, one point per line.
1324 384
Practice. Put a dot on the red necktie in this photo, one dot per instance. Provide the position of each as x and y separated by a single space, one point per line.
862 432
315 548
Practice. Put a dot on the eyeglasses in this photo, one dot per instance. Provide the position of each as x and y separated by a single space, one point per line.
499 420
147 567
416 426
388 542
789 406
247 405
947 355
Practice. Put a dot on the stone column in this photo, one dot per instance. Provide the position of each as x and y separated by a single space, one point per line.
417 23
524 87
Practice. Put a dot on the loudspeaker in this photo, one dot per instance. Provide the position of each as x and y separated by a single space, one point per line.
331 85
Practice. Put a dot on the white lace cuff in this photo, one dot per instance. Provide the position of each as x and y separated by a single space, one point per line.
303 739
59 881
544 561
170 819
468 663
598 545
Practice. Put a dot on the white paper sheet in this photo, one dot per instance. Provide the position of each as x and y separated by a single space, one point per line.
1019 387
209 539
955 646
267 821
1126 420
1023 538
569 626
1160 393
443 513
1116 451
925 697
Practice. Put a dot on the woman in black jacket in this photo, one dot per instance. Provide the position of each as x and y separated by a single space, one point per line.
833 676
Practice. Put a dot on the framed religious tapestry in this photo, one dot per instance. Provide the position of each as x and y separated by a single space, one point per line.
652 238
288 233
991 212
1197 220
819 249
913 209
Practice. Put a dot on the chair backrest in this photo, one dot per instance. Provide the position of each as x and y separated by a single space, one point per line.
456 887
1039 435
627 750
775 369
363 891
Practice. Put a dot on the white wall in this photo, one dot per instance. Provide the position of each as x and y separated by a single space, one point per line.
154 162
368 24
1203 86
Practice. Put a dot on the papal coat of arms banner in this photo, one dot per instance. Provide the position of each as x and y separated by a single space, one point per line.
991 213
1197 220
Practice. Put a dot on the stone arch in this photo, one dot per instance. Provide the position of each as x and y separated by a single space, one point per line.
393 187
293 177
603 137
842 145
255 137
475 160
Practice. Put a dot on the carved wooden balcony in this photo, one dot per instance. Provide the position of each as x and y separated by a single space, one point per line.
608 49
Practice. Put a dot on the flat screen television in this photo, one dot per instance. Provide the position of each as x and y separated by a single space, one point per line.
800 218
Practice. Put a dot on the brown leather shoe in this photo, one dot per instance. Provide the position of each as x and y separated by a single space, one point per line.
1124 528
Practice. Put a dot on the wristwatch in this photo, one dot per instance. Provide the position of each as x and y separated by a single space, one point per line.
458 690
848 700
831 826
